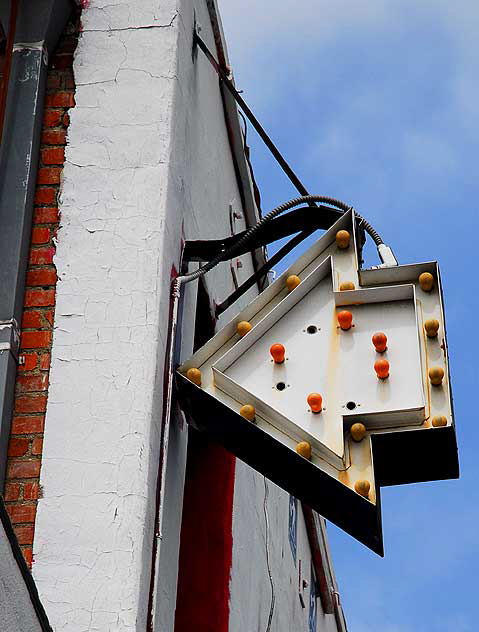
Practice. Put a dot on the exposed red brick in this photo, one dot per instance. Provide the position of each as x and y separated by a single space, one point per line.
31 491
67 45
23 469
30 362
27 425
54 137
32 383
45 361
68 82
52 118
46 195
12 492
31 403
49 175
22 485
28 555
39 298
37 445
53 156
45 215
18 447
24 534
42 276
62 61
35 339
22 513
40 235
53 82
60 100
41 256
31 320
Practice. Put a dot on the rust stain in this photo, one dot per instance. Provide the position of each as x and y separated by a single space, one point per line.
343 476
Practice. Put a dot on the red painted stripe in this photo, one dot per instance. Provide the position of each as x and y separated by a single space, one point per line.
206 546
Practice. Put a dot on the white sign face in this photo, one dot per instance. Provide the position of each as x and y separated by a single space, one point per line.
330 368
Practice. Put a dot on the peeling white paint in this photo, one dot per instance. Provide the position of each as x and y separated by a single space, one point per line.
147 163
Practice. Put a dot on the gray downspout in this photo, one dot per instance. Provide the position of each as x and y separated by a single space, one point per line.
39 25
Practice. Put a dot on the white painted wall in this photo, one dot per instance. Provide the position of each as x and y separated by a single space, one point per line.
250 583
148 163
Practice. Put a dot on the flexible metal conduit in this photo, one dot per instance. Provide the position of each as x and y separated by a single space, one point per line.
226 254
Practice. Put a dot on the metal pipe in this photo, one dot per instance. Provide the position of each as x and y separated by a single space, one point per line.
8 61
265 268
38 27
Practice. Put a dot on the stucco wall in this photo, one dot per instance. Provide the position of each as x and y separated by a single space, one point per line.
147 164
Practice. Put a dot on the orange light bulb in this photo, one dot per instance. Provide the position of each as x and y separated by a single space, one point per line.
382 369
345 320
315 402
278 351
380 341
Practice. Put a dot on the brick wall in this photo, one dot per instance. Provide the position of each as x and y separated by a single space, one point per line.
22 488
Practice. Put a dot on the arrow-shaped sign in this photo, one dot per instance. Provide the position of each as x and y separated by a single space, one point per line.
333 382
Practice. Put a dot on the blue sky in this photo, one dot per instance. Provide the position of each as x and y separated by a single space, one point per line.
376 103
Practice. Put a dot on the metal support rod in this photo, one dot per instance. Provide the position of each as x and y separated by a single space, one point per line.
265 268
223 75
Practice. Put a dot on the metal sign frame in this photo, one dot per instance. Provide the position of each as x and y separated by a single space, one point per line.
401 444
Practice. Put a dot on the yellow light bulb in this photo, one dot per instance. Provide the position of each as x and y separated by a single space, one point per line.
292 281
194 375
426 281
358 431
362 488
432 327
342 239
248 412
304 449
436 375
243 327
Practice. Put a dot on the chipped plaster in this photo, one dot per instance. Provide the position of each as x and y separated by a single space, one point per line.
147 163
